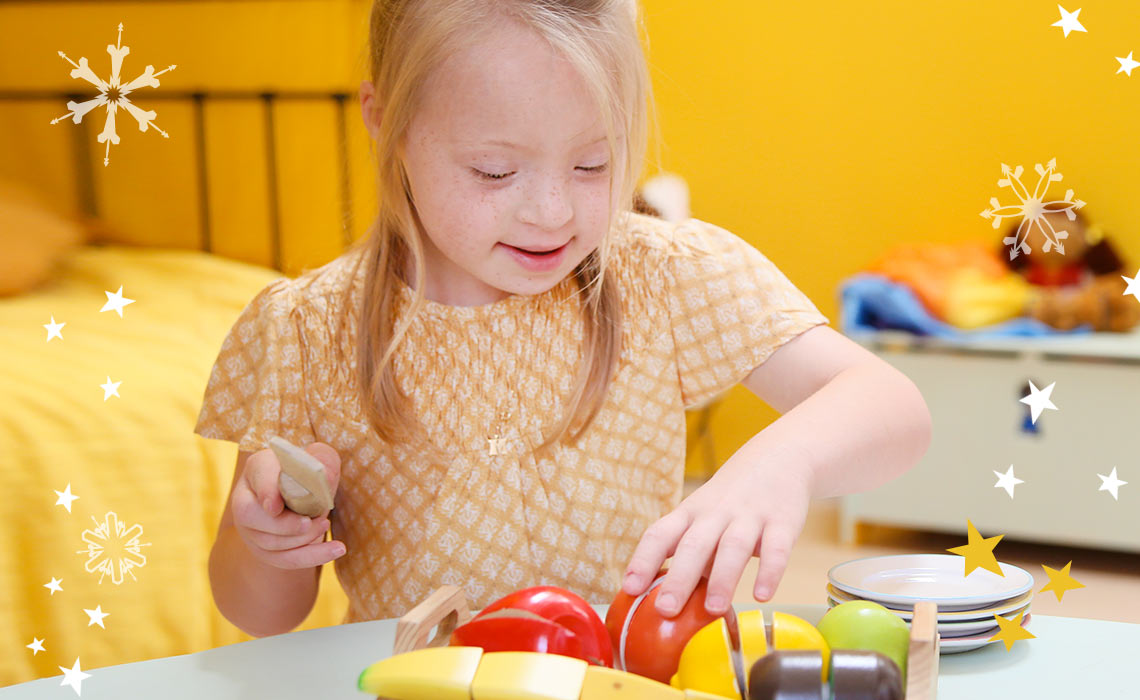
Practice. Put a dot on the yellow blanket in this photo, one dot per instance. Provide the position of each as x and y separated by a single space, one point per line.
149 492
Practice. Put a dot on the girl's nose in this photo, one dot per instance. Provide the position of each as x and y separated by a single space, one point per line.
548 205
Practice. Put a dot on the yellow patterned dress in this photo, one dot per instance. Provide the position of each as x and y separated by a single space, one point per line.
702 308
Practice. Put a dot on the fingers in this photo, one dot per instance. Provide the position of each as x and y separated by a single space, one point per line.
261 473
287 540
656 545
275 535
775 548
304 549
309 556
274 542
693 552
250 514
732 554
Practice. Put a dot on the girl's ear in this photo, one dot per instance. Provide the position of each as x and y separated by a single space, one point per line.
369 108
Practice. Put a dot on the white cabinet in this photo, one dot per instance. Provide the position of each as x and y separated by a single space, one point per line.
973 391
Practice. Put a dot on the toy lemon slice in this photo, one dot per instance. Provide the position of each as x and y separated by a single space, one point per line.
467 673
707 663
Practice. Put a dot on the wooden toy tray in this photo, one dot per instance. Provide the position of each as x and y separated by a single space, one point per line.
446 609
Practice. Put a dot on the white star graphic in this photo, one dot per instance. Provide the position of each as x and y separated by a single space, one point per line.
110 389
116 302
1133 285
1111 484
36 646
65 497
1069 21
54 329
1127 64
74 677
96 616
53 584
1038 400
1007 481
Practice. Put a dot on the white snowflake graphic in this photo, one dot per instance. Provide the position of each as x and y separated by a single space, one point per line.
1032 209
113 95
113 549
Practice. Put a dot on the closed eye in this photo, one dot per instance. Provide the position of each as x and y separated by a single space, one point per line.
502 176
491 176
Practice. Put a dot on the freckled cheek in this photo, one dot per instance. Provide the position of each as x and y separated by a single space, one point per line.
477 220
595 206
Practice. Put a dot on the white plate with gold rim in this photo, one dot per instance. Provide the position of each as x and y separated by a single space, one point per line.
957 645
1004 607
956 628
905 579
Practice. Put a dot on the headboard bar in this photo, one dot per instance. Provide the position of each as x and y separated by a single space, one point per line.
84 165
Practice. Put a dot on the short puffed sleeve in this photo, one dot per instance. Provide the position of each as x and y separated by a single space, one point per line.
730 308
257 386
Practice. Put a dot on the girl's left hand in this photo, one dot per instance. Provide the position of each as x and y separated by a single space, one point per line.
741 511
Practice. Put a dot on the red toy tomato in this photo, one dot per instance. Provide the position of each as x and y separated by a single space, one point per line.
654 643
543 618
517 630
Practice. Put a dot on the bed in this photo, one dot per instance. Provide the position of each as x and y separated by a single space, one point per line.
105 412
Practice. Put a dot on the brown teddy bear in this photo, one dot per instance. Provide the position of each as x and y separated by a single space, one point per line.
1081 286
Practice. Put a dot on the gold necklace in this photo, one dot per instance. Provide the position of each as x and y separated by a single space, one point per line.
496 442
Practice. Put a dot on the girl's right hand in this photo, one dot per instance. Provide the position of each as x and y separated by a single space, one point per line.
274 534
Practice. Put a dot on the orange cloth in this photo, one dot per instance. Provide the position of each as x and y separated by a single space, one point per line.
928 268
702 308
964 284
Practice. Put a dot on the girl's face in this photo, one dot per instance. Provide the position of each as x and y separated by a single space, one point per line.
506 151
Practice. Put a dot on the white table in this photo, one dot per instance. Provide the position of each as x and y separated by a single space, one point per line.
1070 658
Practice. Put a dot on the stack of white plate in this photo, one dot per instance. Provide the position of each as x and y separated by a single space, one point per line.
967 605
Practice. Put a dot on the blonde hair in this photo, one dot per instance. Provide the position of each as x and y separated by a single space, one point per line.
408 40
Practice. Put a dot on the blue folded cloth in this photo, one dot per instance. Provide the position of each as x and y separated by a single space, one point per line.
873 302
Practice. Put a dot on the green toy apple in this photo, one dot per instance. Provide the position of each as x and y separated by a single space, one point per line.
862 624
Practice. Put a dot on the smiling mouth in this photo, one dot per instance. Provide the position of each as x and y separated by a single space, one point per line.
540 252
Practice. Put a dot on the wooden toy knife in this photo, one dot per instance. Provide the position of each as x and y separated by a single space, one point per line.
735 650
302 483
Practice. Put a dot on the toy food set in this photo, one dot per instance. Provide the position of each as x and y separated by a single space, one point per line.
966 605
549 643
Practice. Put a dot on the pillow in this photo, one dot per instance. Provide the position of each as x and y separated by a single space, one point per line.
33 236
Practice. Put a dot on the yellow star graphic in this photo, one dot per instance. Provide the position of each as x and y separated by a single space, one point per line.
1060 581
979 553
1011 630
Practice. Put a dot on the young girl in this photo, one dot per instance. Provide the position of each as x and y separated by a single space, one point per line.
496 376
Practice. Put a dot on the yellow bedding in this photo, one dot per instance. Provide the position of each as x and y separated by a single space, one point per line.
131 459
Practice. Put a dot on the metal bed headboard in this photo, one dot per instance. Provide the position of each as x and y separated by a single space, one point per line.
83 140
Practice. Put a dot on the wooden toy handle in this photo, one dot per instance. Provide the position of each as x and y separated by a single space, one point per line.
445 609
922 657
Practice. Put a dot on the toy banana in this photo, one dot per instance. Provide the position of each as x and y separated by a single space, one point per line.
469 673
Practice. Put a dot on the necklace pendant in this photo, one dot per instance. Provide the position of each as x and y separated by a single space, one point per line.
495 443
494 446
